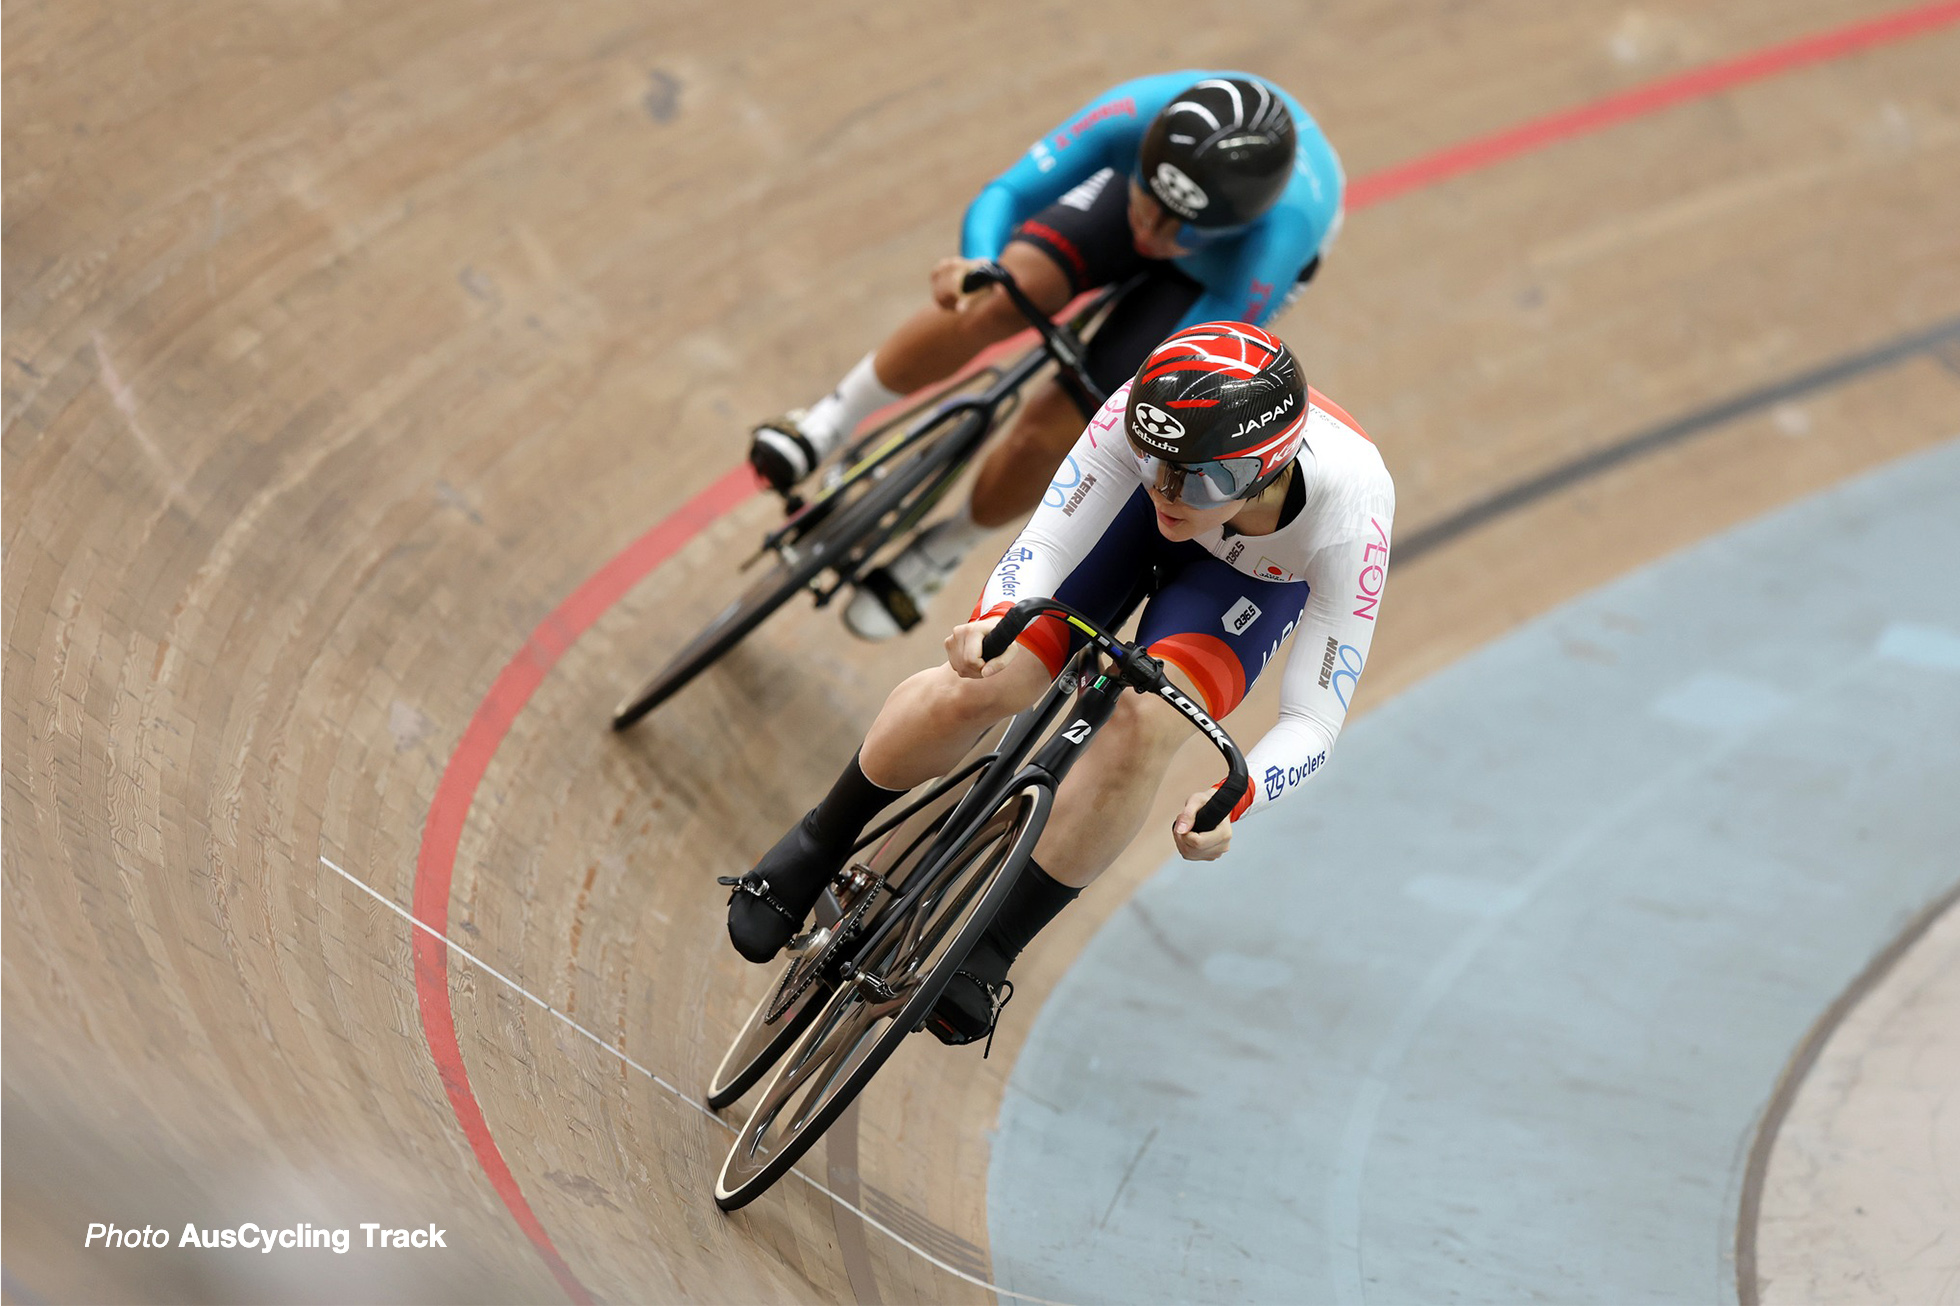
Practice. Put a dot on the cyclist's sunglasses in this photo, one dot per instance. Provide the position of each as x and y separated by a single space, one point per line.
1203 485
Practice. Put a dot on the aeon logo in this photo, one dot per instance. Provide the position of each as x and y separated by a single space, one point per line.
1155 427
1178 191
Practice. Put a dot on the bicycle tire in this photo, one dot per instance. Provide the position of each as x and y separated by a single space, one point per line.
758 1045
829 540
857 1030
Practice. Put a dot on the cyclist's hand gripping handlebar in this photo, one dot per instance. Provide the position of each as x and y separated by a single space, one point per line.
1143 672
998 640
1061 342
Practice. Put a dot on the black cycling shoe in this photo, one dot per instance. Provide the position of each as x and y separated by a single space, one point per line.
971 1005
769 904
782 453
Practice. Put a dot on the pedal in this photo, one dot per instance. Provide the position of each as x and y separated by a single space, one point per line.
810 940
853 880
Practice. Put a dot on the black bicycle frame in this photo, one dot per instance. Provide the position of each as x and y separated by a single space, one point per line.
1099 689
979 802
1060 344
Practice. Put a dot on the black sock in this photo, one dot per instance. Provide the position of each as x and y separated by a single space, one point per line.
852 802
1036 899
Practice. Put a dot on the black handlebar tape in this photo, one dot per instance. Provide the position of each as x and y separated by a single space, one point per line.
997 640
1012 623
1220 804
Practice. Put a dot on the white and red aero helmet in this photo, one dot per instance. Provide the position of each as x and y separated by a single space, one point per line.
1221 409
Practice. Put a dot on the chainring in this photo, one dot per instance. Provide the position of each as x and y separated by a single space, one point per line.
804 970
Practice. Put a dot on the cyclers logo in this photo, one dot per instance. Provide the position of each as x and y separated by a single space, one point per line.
1155 427
1281 778
1183 195
1008 573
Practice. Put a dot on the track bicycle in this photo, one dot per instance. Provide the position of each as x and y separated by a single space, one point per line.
893 930
882 487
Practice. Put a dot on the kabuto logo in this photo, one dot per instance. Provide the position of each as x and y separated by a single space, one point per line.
1155 427
1183 195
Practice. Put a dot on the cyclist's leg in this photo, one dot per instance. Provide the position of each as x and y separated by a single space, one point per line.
925 728
1100 807
930 720
929 346
935 342
1021 462
1215 629
1087 234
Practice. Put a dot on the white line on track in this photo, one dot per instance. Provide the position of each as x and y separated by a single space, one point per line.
523 992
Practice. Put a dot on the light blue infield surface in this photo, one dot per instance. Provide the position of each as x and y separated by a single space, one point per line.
1490 1011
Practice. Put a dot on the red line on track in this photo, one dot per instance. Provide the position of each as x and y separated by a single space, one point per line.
436 862
1695 84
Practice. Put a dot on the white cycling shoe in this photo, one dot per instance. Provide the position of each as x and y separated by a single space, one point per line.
892 599
785 450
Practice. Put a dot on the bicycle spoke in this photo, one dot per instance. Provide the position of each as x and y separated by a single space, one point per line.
888 997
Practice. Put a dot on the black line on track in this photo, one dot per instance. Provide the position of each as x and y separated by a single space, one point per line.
1749 1214
1655 438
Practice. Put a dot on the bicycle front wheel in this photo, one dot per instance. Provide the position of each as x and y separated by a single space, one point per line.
774 587
868 497
888 997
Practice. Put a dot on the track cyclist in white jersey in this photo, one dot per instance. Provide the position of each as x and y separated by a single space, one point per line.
1248 508
1216 189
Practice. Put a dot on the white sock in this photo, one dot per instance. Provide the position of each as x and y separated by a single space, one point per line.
838 413
948 541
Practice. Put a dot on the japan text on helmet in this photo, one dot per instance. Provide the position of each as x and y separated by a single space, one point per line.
1218 411
1220 154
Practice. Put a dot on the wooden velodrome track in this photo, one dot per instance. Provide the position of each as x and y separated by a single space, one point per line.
343 343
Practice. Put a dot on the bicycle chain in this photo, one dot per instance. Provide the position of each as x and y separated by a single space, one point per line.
803 971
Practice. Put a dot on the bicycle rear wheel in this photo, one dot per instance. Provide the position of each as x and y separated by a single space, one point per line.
759 1044
828 544
888 997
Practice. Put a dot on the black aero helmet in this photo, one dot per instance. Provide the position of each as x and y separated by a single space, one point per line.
1220 153
1219 410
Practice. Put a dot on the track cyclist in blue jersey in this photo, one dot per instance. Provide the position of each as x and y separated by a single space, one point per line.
1215 189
